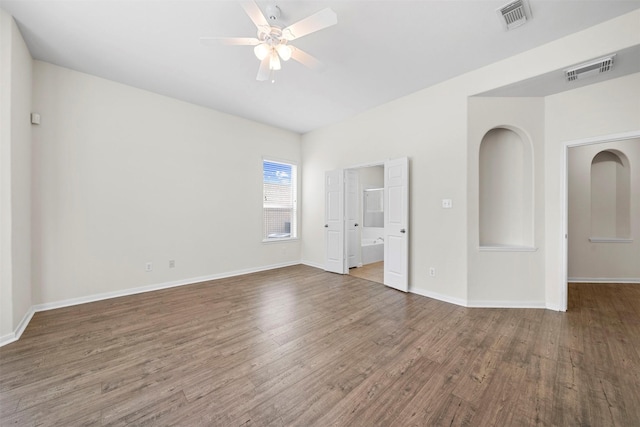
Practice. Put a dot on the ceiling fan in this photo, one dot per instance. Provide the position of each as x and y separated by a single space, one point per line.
272 42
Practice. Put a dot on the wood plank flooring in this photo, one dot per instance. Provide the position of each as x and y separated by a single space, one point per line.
373 272
300 347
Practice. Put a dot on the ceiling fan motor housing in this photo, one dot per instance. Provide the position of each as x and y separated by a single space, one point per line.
273 12
271 35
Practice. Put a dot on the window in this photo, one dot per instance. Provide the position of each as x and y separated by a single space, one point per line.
280 200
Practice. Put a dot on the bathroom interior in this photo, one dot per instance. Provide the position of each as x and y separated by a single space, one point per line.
371 216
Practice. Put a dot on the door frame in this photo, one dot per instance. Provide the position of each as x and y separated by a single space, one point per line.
563 287
345 267
346 238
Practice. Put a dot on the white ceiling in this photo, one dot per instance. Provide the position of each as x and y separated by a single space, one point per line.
378 51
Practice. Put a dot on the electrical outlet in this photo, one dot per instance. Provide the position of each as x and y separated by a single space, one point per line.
172 263
148 267
432 272
447 203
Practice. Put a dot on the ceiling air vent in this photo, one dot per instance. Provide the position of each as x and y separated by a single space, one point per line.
588 69
514 14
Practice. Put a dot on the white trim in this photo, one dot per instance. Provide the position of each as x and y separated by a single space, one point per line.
506 304
507 249
555 307
9 338
296 209
15 336
156 287
630 280
312 264
609 240
366 165
439 297
603 138
478 304
563 286
281 240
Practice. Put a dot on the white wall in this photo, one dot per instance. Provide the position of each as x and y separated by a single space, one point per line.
398 129
507 276
15 179
430 127
601 261
606 108
123 177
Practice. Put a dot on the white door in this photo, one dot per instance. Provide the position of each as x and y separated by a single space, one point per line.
334 223
352 215
396 221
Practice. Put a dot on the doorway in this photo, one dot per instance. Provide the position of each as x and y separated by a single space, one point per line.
366 222
364 201
598 236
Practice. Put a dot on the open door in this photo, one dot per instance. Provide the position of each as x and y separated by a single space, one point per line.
396 221
352 228
334 223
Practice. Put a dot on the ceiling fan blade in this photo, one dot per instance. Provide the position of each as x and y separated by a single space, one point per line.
307 60
264 71
230 41
254 13
323 19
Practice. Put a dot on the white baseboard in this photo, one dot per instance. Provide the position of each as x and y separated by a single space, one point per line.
9 338
478 303
506 304
15 335
604 280
555 307
439 297
312 264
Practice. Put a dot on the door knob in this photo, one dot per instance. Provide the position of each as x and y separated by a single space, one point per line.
356 224
403 230
326 226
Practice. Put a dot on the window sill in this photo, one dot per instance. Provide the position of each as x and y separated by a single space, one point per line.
279 240
506 248
609 240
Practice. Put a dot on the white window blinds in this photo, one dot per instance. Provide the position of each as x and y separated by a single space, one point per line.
280 196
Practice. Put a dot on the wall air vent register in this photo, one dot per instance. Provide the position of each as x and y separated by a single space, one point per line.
591 68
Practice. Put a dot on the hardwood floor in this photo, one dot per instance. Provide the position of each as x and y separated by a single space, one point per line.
373 272
298 346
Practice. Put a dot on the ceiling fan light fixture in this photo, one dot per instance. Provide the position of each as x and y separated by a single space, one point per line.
261 51
271 44
274 62
284 51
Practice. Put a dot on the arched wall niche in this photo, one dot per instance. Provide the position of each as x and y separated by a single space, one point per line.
610 195
506 189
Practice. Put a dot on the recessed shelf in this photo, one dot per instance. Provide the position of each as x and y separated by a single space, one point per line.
609 240
505 248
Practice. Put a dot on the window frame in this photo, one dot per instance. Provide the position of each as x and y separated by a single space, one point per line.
295 214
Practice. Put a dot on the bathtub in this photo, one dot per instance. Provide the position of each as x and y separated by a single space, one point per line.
372 250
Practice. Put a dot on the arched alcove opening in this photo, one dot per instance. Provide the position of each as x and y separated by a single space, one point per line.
506 190
610 195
